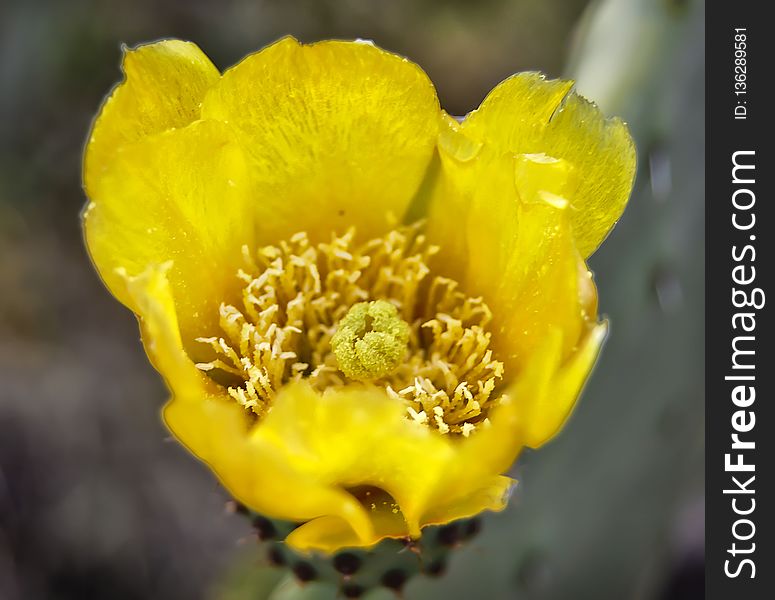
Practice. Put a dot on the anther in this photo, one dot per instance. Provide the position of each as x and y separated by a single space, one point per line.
424 340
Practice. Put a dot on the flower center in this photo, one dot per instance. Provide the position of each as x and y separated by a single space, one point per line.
338 312
370 341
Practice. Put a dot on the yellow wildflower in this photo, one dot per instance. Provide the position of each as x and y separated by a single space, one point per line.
349 293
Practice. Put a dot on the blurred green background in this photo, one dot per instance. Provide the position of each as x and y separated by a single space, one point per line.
97 503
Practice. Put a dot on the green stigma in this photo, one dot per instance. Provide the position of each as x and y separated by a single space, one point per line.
370 341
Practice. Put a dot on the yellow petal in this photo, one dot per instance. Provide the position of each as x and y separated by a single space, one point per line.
505 226
180 196
151 295
331 533
536 405
310 456
163 88
512 243
545 414
539 286
452 504
542 398
261 476
358 437
339 134
527 114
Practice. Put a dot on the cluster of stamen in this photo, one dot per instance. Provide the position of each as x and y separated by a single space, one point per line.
297 294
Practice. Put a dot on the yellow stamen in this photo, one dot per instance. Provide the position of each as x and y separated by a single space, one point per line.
336 312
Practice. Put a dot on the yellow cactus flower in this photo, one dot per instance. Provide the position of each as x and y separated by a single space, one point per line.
363 308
